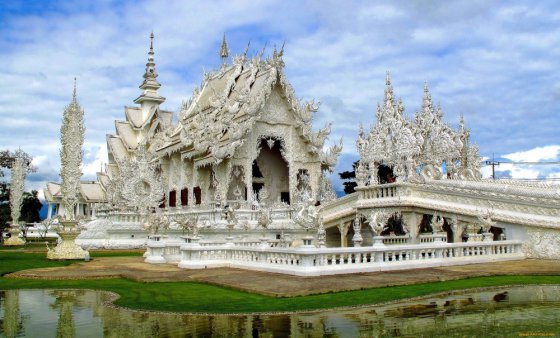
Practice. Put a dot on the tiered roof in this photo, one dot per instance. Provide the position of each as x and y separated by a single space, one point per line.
214 122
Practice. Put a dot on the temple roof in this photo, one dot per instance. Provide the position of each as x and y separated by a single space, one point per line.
90 192
214 122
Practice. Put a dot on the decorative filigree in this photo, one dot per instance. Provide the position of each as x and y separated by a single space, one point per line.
424 144
155 222
542 243
72 139
321 235
485 220
140 185
326 190
307 216
17 185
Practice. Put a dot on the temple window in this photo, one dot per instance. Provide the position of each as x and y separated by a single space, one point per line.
184 196
173 198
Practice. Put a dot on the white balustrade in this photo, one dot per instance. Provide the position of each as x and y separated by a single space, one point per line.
431 238
404 239
307 261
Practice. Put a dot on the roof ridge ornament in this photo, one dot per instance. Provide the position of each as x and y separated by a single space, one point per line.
224 51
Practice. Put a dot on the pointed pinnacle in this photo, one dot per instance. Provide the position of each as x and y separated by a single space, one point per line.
426 90
388 79
224 52
281 53
74 92
247 48
152 42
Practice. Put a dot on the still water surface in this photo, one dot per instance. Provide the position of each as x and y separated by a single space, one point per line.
529 311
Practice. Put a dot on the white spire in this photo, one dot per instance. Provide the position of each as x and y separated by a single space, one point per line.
224 51
150 84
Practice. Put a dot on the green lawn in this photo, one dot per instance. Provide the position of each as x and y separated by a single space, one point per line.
197 297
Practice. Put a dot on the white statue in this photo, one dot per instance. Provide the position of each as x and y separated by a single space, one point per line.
307 216
437 223
377 222
357 239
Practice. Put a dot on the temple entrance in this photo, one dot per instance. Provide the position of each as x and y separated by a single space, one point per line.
270 171
425 227
498 233
448 230
394 226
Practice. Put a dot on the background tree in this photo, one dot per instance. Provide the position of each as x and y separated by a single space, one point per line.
30 207
349 178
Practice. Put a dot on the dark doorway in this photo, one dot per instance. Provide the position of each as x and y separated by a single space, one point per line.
173 198
257 188
197 195
448 230
385 174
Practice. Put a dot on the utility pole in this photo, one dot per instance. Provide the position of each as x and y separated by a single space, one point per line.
493 164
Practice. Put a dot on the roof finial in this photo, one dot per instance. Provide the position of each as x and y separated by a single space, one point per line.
224 51
389 100
74 92
246 49
281 52
151 66
426 90
151 52
150 84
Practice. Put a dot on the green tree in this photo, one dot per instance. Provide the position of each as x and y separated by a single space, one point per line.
349 178
30 207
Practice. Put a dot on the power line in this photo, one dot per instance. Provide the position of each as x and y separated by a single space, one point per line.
494 164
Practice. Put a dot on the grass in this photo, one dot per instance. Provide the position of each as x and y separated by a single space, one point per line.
198 297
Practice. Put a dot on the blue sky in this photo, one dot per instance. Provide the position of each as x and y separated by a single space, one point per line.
494 62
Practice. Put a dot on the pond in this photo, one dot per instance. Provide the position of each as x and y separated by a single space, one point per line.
504 312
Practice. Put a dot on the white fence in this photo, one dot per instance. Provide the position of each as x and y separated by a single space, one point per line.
311 261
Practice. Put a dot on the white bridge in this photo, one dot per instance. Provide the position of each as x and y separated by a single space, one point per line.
528 215
525 211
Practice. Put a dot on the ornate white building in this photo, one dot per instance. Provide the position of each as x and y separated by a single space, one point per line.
240 180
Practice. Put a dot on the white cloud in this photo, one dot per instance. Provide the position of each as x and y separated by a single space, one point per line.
538 154
91 168
495 62
542 169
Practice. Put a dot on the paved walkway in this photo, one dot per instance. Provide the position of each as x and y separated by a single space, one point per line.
283 285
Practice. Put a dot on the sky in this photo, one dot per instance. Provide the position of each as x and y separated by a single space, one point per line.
494 62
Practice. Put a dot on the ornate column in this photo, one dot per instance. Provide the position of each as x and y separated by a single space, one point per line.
72 139
49 210
248 169
343 228
19 169
410 220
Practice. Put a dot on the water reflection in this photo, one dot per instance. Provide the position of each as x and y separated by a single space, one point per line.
506 312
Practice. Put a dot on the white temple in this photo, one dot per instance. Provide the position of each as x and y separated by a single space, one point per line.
241 180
